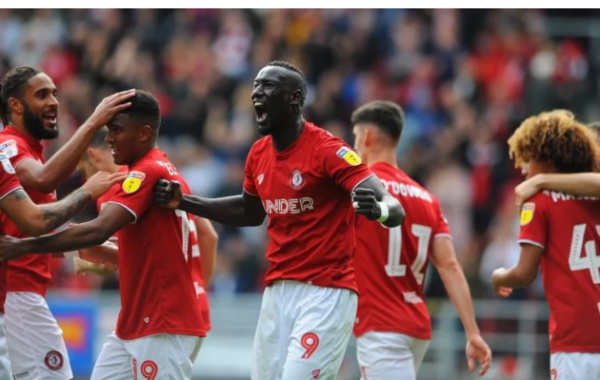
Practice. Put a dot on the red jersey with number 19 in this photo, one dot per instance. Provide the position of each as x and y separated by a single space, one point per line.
157 277
305 190
391 262
8 184
568 229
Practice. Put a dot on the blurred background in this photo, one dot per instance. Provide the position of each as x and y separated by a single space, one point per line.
465 78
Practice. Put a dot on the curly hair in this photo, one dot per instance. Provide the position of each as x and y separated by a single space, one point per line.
558 138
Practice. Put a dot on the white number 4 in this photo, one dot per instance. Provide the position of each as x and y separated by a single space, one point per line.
591 260
394 268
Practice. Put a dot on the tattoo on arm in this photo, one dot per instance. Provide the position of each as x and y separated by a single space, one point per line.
19 194
57 213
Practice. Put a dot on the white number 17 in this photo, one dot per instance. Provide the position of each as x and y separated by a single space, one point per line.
394 268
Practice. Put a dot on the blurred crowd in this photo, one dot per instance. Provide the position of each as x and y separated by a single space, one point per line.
464 78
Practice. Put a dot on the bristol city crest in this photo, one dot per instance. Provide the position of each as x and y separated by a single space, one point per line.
297 180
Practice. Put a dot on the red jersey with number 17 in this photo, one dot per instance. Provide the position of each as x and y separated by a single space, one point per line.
8 184
391 262
568 229
157 277
305 191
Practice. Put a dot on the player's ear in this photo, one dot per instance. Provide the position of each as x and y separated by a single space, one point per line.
15 105
295 98
145 133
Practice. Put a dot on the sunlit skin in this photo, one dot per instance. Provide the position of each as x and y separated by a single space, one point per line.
127 141
37 111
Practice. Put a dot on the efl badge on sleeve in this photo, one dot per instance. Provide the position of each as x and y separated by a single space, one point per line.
349 156
9 148
133 181
527 213
6 164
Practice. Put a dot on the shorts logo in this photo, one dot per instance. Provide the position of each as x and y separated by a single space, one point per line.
527 213
310 342
297 180
316 373
349 156
133 181
54 360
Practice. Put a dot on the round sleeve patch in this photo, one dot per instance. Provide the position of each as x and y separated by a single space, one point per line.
527 213
133 182
349 156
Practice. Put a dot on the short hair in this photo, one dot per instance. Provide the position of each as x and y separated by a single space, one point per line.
98 141
289 66
12 86
558 138
386 115
144 109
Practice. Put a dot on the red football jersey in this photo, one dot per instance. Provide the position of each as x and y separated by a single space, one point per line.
568 229
29 273
106 197
391 262
157 277
8 184
305 191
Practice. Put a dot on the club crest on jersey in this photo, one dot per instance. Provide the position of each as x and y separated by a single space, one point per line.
133 181
349 156
297 180
6 164
9 148
527 213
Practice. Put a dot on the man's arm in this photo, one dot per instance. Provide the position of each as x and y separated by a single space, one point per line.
95 232
444 259
521 274
584 184
47 177
35 220
207 241
106 253
237 210
374 202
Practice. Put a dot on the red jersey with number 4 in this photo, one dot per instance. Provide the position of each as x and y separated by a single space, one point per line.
29 273
8 184
568 229
305 191
159 292
391 262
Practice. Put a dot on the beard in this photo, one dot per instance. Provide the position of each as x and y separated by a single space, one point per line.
35 126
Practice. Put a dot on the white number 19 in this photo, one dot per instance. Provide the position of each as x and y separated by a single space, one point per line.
394 268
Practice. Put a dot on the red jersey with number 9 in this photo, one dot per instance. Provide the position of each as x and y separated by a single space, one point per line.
568 229
305 190
391 262
156 267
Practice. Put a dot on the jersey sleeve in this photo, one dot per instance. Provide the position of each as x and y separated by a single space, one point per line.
136 193
534 223
8 179
342 164
16 150
249 184
441 229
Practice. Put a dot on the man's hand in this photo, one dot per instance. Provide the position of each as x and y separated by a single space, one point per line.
365 203
100 182
81 266
526 190
109 107
477 349
502 291
10 248
168 194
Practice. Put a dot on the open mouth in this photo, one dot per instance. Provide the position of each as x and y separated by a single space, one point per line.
261 112
50 118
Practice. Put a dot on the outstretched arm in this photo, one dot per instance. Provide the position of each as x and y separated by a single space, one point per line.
374 202
35 220
95 232
237 210
584 184
444 259
47 177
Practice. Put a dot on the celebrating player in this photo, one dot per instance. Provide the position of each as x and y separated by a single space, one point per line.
29 109
561 233
160 327
393 327
301 177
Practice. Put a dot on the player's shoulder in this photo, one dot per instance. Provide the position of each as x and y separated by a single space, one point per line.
262 144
